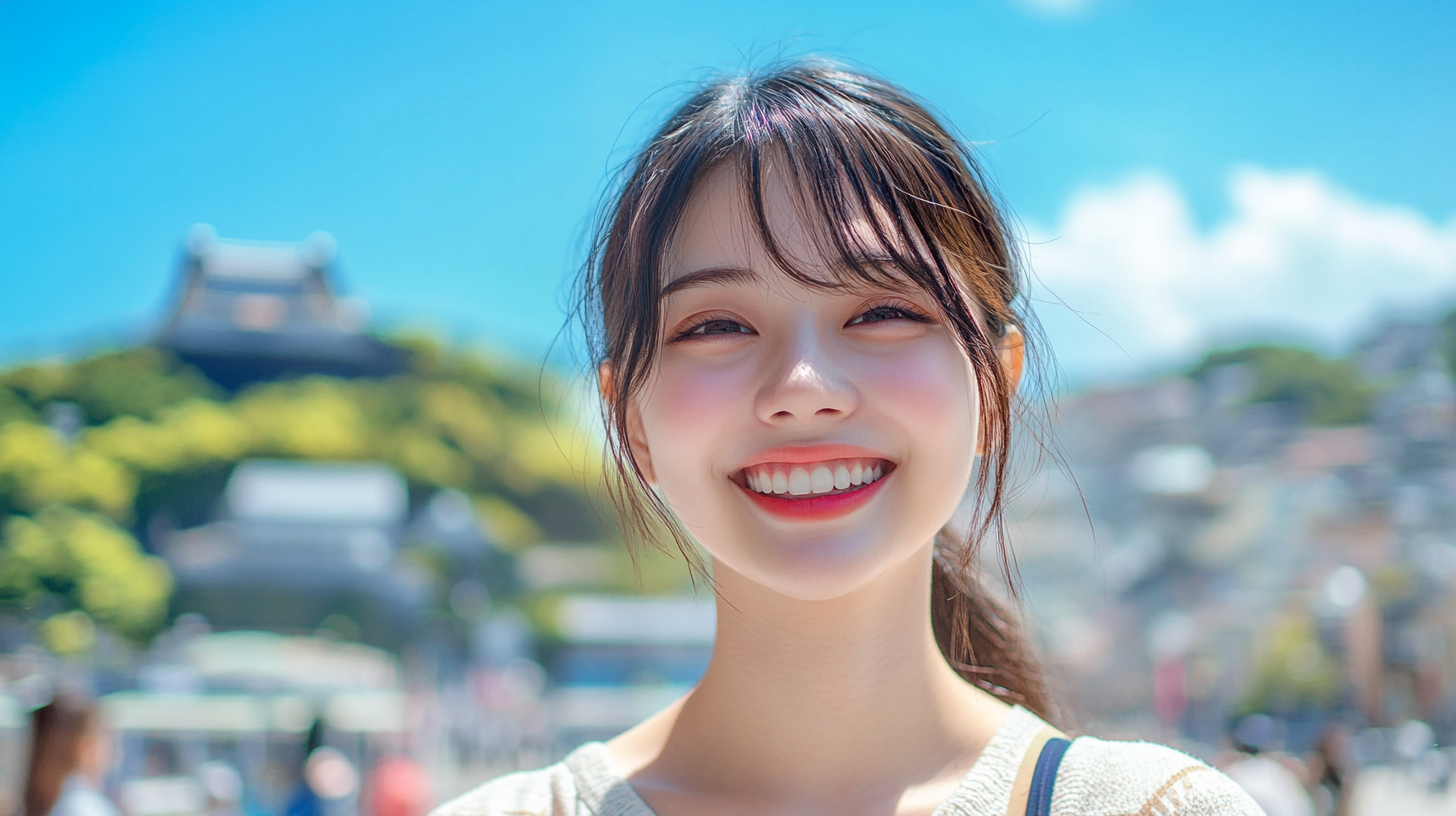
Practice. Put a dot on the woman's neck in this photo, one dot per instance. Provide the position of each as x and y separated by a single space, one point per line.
817 696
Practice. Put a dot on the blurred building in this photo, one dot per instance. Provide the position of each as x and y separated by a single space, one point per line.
615 660
249 311
1244 560
611 656
298 541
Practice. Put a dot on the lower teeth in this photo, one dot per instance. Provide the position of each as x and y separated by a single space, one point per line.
849 489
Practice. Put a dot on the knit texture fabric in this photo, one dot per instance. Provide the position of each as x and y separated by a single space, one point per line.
1096 778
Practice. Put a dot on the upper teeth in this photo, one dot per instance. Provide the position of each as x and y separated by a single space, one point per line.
822 477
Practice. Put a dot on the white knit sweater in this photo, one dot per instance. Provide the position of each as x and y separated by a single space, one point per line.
1096 778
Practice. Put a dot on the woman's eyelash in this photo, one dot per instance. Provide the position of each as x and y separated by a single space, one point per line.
891 311
705 327
711 325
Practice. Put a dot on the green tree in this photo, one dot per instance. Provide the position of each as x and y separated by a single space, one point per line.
130 382
160 439
63 560
501 433
38 468
1329 392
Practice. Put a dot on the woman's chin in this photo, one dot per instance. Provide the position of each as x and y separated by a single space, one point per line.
822 570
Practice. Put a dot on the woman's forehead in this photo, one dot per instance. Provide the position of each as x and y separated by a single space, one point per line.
719 230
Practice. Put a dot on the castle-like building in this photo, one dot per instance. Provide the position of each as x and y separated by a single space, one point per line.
248 311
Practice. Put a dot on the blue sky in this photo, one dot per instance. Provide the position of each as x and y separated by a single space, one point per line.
1191 173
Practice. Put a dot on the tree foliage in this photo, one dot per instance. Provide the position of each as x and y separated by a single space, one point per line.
160 438
84 562
37 469
1328 392
131 382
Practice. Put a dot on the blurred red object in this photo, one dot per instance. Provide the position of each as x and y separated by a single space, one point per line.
399 787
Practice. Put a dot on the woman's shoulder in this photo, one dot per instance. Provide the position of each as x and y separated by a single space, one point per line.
1103 777
1097 778
548 791
582 783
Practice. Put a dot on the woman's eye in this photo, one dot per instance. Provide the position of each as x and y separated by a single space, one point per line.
716 327
880 314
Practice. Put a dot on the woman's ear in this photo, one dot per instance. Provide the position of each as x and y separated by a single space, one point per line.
636 433
1013 356
1012 353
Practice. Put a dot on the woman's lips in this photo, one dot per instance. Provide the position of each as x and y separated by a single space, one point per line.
813 491
802 454
801 478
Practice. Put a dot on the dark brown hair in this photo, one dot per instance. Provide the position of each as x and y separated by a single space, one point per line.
56 731
856 149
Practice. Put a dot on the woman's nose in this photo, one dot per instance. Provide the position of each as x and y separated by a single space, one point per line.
806 385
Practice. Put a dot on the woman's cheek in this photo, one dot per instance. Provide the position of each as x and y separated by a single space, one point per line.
931 390
932 399
688 405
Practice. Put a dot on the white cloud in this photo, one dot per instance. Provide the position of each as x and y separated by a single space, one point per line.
1296 255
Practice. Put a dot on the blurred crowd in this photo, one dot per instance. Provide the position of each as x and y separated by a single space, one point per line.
72 764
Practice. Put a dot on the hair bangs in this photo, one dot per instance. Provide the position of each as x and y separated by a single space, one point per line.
881 204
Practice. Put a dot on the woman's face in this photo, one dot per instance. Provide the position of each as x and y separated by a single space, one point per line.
808 439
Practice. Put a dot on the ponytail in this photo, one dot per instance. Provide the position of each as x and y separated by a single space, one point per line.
982 639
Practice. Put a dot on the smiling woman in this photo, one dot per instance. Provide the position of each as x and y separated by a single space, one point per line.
804 301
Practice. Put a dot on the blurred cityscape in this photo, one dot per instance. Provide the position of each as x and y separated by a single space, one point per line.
270 532
1272 535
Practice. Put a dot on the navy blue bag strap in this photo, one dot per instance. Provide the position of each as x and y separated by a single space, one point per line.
1039 800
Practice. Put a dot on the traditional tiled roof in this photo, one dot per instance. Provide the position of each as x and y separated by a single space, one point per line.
247 311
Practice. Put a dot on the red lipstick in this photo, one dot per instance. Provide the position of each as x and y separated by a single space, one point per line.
809 453
815 508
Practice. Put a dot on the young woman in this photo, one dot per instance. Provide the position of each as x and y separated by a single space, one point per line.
804 300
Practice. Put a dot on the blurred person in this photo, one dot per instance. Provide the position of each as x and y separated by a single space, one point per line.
327 781
304 800
398 787
1270 781
69 756
803 303
1415 744
1434 770
1330 767
223 787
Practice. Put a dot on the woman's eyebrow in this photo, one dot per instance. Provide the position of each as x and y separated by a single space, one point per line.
707 277
892 273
